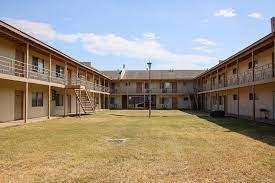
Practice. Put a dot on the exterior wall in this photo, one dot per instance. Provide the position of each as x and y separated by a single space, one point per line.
264 100
35 112
246 105
7 48
232 105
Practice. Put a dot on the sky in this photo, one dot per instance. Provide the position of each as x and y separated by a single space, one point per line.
175 34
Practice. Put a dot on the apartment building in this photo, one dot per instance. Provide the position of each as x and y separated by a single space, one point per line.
243 85
170 89
39 81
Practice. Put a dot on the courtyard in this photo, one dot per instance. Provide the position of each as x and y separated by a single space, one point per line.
127 146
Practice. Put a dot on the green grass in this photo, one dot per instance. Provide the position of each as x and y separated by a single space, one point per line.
172 146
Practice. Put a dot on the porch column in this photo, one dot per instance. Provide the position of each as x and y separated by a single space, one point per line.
49 101
238 79
99 100
65 90
104 100
108 101
26 102
253 66
50 68
27 59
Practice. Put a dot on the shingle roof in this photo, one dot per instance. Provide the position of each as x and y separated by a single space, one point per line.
155 74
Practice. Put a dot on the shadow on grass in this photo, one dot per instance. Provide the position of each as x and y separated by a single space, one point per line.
256 130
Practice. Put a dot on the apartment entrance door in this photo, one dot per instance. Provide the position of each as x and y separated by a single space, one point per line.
174 103
124 101
18 105
19 63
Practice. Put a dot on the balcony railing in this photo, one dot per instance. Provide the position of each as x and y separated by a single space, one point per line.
17 68
262 72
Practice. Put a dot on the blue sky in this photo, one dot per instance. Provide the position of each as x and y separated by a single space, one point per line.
174 34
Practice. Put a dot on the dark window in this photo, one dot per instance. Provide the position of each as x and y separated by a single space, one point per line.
250 65
185 98
220 100
235 71
58 100
59 71
250 96
146 86
37 99
235 97
37 65
113 85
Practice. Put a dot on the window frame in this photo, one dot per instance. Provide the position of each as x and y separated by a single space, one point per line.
37 99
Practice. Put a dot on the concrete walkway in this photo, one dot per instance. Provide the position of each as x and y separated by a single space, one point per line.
21 122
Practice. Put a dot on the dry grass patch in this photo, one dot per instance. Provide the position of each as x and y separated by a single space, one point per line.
126 146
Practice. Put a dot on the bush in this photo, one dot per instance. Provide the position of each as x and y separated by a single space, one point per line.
217 113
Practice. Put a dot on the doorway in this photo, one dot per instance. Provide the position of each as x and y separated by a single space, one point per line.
69 77
124 101
18 105
174 103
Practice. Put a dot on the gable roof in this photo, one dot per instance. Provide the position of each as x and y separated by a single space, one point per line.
155 74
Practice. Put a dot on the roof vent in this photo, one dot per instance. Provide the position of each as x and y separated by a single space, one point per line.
273 24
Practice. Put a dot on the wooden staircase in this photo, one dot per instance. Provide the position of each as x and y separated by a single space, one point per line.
85 101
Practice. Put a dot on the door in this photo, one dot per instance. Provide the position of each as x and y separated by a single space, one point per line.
124 101
18 105
174 103
19 63
174 87
69 106
139 87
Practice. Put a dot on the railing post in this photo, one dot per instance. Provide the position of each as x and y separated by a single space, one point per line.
238 71
26 102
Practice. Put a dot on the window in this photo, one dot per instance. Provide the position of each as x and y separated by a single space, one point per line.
235 97
234 71
146 86
250 65
37 65
58 100
220 100
59 71
185 98
37 99
251 96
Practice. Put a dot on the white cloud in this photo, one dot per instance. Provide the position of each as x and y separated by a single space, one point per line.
146 47
229 12
204 45
256 15
204 42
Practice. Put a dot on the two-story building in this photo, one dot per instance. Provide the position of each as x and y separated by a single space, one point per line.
170 89
37 81
242 85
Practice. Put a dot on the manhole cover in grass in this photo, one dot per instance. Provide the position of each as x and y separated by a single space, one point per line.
116 141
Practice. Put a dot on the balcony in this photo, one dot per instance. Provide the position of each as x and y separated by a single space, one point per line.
17 68
263 72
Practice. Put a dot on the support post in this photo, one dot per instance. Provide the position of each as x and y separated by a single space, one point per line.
50 68
49 101
273 60
238 76
79 107
27 59
65 91
218 100
26 102
253 67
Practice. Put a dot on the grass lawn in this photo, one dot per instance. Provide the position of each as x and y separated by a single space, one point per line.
172 146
